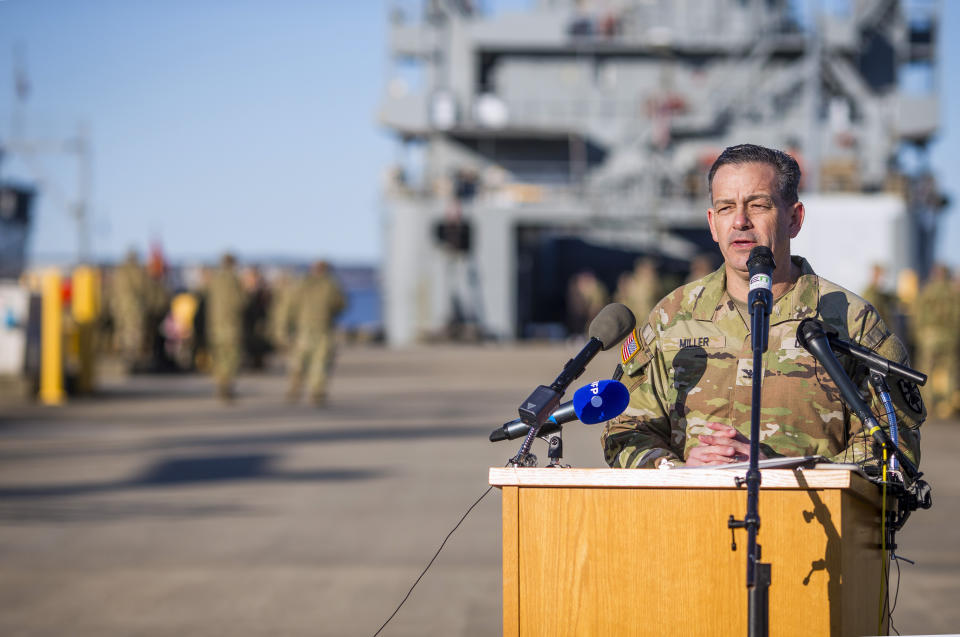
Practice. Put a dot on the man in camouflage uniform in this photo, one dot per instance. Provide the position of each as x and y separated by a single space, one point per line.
640 290
701 266
689 366
128 291
283 289
224 323
877 295
937 335
317 301
586 296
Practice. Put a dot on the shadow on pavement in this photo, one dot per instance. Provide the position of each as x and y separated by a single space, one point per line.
195 471
316 436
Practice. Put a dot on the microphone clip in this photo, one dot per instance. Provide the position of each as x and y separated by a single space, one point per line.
555 452
538 406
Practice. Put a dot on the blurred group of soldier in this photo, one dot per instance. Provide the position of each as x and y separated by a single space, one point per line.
639 289
229 318
927 319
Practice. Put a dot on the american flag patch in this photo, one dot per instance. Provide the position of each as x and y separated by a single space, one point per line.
629 348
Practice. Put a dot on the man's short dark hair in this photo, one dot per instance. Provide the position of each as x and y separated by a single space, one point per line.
786 167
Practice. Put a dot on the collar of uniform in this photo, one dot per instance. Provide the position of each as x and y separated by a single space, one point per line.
798 303
709 299
801 300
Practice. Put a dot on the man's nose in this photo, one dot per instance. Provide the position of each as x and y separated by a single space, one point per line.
741 219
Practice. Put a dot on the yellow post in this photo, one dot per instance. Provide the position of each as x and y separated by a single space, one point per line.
51 340
84 294
85 307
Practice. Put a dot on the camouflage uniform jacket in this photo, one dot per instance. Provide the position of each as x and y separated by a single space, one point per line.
939 322
692 363
317 303
225 302
128 291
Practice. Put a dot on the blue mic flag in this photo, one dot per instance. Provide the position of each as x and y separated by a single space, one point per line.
600 401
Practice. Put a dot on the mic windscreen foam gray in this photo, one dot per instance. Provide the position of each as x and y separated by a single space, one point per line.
612 324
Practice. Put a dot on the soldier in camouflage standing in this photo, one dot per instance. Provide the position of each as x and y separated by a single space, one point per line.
907 289
690 366
878 296
640 290
701 266
279 320
586 296
128 292
937 335
225 301
314 306
157 304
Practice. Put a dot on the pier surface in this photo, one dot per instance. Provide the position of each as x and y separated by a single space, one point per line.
153 509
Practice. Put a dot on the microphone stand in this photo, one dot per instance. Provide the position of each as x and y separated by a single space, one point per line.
555 451
524 458
817 339
880 386
758 574
544 400
913 492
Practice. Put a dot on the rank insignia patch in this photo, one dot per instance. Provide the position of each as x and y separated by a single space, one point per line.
629 348
647 334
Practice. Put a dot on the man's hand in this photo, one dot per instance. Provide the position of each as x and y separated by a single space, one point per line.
725 446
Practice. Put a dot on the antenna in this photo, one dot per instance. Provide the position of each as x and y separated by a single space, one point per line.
28 150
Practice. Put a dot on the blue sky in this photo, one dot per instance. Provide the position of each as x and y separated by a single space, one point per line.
214 124
243 125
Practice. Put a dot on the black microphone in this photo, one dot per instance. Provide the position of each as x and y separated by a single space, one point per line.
813 338
611 325
516 428
873 360
760 265
597 402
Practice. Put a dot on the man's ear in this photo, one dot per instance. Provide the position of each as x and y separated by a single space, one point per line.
713 230
797 214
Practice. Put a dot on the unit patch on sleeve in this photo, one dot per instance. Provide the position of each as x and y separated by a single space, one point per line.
911 394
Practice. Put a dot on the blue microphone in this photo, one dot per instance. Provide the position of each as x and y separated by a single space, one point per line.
597 402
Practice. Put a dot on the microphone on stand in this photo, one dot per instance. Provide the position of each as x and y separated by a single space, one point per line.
760 266
871 359
813 337
611 325
597 402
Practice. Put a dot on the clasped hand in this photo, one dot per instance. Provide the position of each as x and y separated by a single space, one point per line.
725 445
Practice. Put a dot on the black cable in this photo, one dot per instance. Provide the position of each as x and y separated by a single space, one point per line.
886 598
895 597
432 560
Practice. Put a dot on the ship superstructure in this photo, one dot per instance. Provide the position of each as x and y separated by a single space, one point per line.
577 135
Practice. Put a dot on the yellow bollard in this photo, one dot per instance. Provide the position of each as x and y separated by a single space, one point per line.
84 305
84 294
51 340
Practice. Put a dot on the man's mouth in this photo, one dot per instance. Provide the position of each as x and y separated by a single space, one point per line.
742 243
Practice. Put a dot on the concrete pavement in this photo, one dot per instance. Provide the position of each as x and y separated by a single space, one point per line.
154 510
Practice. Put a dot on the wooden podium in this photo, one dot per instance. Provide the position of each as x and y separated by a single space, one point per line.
647 552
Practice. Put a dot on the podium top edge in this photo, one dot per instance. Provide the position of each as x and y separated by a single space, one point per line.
680 479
